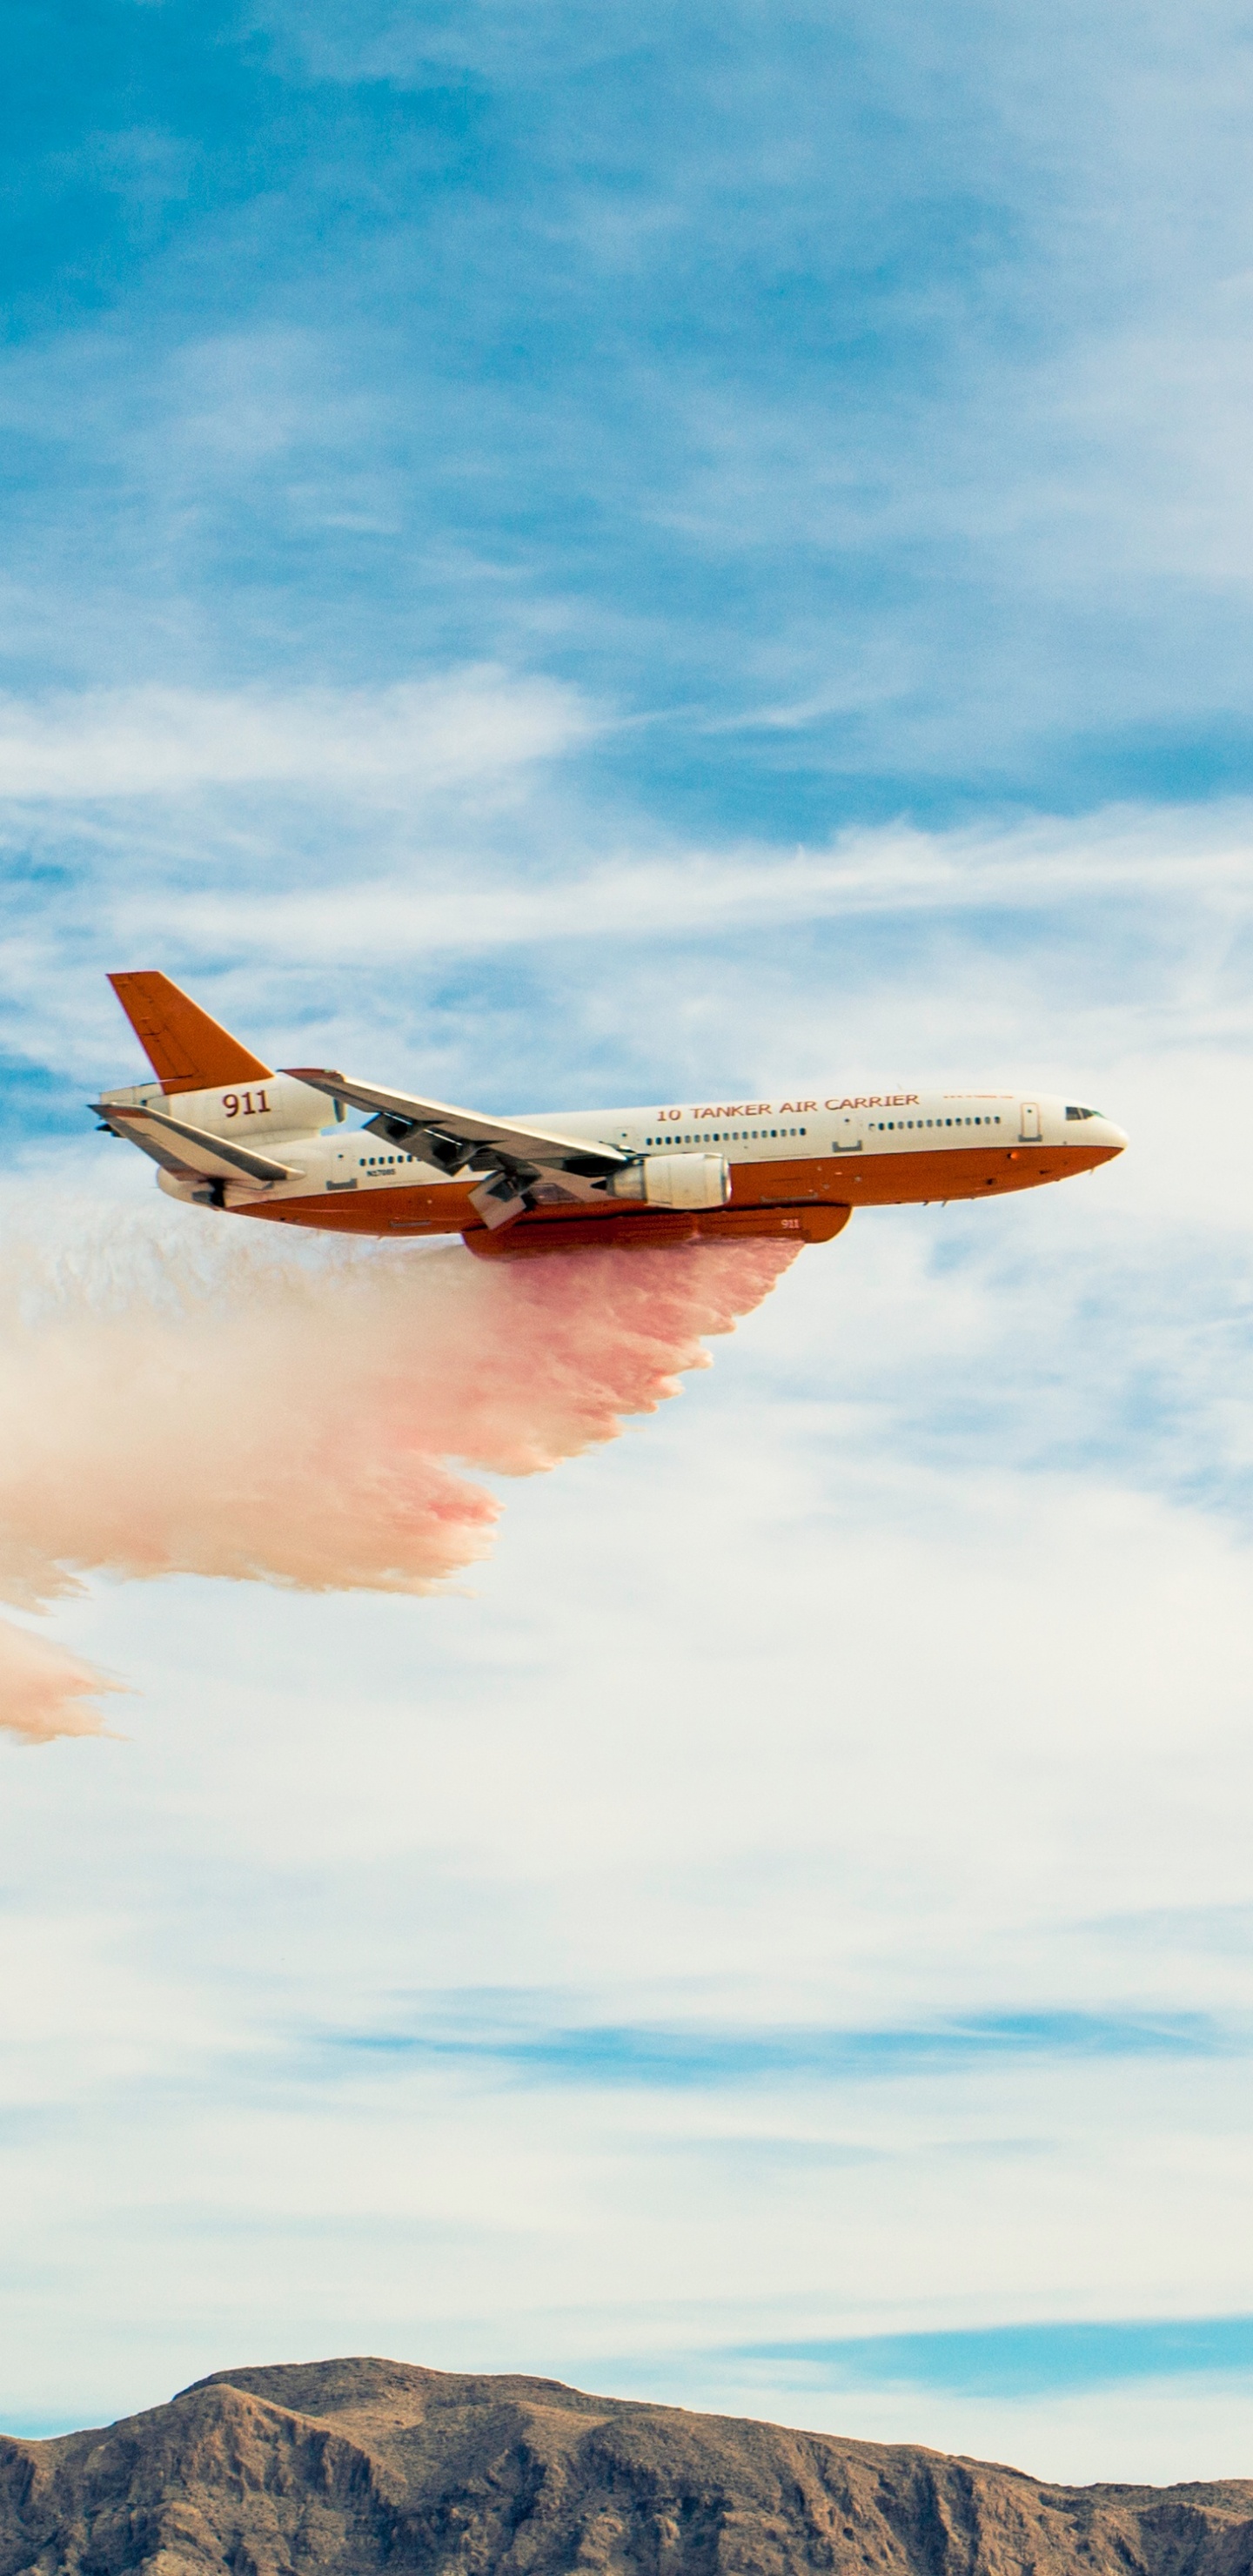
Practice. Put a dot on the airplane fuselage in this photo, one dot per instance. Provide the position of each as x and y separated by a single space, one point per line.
796 1165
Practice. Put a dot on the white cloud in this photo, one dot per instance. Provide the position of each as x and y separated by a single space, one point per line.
346 891
464 730
903 1736
642 893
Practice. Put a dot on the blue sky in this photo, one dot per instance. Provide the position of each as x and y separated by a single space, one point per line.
564 555
853 407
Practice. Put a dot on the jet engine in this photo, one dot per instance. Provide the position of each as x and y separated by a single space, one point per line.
674 1181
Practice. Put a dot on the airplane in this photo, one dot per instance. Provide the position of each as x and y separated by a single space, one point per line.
229 1131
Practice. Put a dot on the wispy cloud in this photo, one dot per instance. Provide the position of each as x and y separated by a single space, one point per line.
457 868
467 728
645 893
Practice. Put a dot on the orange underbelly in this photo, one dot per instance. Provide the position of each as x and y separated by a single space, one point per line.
906 1179
809 1189
441 1209
549 1230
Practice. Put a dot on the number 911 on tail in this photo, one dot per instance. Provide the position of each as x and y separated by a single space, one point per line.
229 1131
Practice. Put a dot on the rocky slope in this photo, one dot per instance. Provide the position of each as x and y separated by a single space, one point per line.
353 2466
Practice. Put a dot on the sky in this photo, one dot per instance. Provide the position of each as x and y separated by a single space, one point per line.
567 556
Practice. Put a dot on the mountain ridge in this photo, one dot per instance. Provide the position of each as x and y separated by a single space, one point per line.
360 2465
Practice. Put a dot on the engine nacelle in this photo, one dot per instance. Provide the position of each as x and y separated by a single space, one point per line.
675 1181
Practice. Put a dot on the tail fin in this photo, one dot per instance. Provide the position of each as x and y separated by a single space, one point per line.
186 1049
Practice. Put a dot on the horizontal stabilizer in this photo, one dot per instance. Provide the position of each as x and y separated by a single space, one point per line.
180 1148
186 1049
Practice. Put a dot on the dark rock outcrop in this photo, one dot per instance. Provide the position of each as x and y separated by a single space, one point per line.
354 2467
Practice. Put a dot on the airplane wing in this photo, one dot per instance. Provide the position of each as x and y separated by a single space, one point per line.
521 1165
458 1137
180 1148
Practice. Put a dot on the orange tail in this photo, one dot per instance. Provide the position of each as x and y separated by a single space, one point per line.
186 1049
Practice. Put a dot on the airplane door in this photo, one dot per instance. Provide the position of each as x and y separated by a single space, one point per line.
1029 1129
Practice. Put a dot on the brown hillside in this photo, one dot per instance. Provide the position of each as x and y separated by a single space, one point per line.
357 2466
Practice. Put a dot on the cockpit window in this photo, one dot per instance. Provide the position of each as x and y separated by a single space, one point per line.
1072 1112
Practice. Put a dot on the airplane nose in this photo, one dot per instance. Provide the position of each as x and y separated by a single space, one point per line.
1113 1139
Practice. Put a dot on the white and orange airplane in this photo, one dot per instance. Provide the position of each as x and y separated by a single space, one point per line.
231 1132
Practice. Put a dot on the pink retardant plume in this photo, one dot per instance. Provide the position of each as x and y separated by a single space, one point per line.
219 1408
43 1690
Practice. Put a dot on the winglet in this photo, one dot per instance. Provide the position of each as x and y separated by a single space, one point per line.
186 1049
